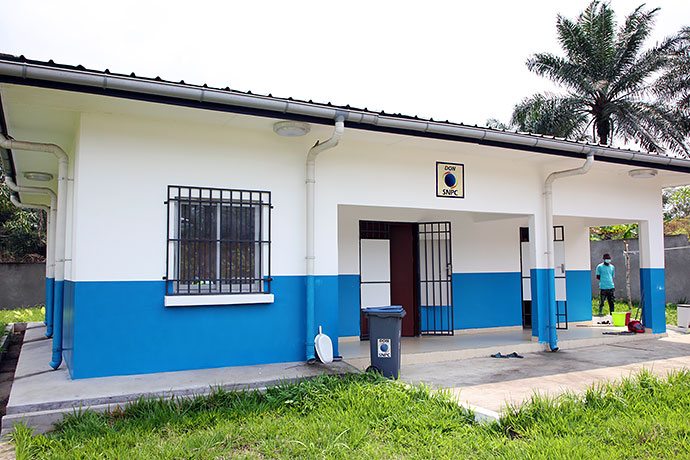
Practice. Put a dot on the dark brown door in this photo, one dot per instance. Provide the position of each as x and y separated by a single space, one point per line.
403 279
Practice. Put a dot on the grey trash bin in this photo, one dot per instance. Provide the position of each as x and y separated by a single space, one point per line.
384 339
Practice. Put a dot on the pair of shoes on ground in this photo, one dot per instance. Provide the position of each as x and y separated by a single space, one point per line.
512 355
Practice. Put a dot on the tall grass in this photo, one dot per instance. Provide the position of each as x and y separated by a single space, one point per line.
640 417
367 417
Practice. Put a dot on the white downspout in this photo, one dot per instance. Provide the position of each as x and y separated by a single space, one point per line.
60 231
311 183
548 202
50 241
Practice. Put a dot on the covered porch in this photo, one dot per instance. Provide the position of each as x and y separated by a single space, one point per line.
455 273
483 343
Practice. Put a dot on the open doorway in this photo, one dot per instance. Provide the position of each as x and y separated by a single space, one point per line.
408 264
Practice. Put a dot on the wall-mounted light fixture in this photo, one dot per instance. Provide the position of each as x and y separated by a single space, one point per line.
291 128
643 173
38 176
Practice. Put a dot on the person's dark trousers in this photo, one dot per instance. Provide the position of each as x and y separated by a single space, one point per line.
608 295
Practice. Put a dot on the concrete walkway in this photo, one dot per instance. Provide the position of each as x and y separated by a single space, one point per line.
493 383
41 396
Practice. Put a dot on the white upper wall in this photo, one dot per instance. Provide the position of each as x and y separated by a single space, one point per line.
125 163
479 245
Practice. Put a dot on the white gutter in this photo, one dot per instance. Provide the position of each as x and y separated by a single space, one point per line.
202 94
60 231
548 203
311 183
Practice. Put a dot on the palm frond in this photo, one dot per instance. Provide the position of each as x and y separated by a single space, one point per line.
652 125
599 26
637 28
561 71
554 115
633 79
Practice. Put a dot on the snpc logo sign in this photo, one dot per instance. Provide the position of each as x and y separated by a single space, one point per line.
450 180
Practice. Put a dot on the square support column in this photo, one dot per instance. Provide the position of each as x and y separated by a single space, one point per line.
652 284
543 285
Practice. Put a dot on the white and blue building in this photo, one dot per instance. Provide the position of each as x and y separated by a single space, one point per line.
195 227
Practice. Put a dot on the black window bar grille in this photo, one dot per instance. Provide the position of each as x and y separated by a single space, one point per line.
219 241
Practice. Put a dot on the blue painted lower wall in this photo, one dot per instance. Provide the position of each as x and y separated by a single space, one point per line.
50 289
578 285
68 326
120 328
653 288
123 327
542 297
348 305
483 300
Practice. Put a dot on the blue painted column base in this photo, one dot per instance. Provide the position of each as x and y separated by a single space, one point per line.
50 290
309 339
652 287
57 323
544 306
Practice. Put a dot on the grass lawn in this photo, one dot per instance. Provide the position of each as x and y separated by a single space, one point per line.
671 309
367 417
21 315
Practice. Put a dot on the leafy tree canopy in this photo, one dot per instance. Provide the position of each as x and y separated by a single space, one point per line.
614 232
22 232
676 203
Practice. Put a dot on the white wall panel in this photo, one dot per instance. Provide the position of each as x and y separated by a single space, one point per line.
376 260
478 246
375 295
126 163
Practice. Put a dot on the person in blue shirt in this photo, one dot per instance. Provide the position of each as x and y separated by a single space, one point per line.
605 274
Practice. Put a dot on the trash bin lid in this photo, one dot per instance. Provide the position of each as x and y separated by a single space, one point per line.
393 311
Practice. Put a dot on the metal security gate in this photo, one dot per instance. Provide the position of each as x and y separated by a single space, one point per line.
525 274
435 279
559 277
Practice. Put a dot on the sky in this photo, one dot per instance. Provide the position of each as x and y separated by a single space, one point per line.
456 60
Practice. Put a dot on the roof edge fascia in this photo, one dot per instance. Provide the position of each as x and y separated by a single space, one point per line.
50 75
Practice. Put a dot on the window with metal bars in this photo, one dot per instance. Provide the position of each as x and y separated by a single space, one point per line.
219 241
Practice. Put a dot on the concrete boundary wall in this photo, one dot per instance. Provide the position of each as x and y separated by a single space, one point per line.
22 285
676 262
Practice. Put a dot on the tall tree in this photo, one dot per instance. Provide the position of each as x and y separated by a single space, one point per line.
609 81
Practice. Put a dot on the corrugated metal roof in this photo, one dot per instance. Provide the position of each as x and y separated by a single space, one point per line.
156 89
348 107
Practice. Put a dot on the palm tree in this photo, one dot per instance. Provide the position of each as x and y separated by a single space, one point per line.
610 83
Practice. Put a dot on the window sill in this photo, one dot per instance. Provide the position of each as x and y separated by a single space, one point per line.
232 299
